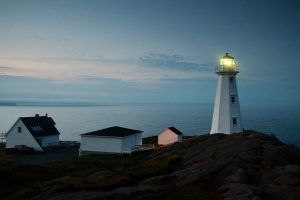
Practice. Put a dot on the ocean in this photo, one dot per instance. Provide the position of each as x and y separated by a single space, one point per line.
191 119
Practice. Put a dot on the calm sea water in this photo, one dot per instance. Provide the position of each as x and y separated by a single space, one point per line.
191 119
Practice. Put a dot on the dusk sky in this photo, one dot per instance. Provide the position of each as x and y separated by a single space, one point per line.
147 51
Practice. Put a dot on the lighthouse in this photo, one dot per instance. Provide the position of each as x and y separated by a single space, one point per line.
226 116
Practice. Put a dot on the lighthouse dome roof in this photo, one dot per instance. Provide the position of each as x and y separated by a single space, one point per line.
228 56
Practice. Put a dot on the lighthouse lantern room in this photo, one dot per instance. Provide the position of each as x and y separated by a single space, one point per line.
226 116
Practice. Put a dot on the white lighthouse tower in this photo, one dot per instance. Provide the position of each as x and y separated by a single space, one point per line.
227 116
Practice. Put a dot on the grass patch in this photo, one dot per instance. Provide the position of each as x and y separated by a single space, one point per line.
84 173
154 167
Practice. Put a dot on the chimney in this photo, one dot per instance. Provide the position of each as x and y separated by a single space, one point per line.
37 115
46 114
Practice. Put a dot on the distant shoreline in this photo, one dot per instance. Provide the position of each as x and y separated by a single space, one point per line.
7 104
85 104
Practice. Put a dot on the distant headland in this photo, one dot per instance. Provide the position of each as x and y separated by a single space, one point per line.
7 104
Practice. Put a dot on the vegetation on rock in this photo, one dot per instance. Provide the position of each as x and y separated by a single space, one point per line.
248 165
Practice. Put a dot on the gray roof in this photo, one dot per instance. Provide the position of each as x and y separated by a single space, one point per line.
175 130
40 125
114 131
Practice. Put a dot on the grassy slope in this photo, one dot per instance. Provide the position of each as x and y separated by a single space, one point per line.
85 173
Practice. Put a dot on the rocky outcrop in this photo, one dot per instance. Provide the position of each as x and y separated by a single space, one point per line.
244 166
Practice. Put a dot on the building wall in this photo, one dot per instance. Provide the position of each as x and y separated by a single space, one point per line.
167 137
235 109
14 138
179 138
224 109
130 141
50 140
101 144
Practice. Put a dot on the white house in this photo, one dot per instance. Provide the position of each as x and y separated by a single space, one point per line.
37 132
169 136
113 140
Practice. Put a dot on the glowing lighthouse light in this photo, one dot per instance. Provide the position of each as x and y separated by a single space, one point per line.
228 62
226 116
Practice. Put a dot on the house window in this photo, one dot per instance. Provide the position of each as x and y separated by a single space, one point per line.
19 129
36 128
232 99
234 121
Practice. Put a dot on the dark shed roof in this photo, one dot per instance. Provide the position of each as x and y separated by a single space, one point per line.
175 130
115 131
40 125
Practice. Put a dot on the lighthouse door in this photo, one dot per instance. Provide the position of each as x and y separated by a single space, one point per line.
235 124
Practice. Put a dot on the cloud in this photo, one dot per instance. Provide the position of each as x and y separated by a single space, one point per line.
50 38
19 71
7 70
173 62
4 68
148 69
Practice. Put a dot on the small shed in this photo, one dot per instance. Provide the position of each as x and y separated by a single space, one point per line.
38 132
169 136
112 140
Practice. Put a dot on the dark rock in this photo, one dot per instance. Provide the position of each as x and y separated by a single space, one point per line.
240 191
248 165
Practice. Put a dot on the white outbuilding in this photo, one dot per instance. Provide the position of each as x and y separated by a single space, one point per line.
37 132
113 140
169 136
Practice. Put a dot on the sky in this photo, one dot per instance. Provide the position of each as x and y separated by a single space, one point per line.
147 51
